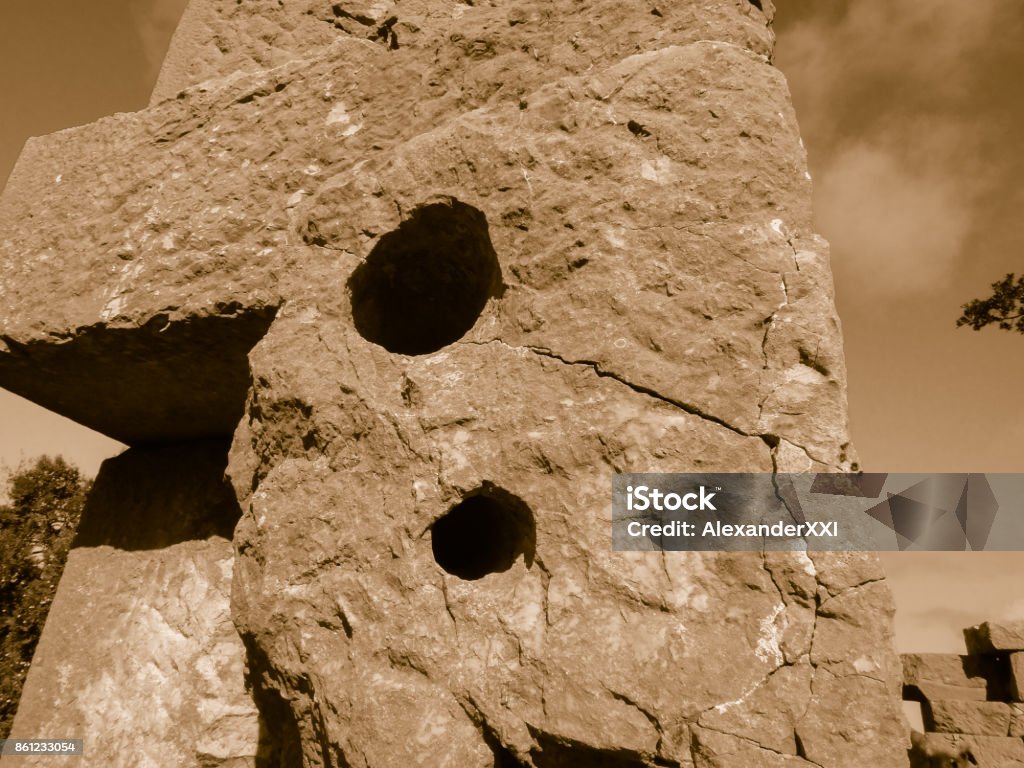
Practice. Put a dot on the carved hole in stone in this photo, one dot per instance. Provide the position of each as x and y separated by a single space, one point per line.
424 285
484 533
756 4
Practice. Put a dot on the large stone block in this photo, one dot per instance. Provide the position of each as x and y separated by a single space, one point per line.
946 676
223 227
139 656
984 718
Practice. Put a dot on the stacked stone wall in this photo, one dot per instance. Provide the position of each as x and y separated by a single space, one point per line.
972 705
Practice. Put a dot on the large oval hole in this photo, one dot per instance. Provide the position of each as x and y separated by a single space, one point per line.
424 285
484 533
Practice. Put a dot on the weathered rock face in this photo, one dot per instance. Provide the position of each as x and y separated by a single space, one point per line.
139 655
496 252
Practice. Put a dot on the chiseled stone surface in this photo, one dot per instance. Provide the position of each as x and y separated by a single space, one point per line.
139 656
492 253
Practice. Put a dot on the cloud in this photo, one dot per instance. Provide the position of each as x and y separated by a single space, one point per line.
903 226
882 91
855 55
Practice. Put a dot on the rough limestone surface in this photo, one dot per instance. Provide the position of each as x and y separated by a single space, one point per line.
998 752
139 656
946 750
453 265
987 751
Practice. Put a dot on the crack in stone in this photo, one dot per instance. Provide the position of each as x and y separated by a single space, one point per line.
652 718
771 576
770 439
448 607
722 245
848 589
638 388
747 740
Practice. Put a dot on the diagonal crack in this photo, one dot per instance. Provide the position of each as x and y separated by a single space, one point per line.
771 440
638 388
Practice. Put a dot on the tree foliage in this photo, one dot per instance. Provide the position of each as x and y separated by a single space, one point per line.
1005 307
37 527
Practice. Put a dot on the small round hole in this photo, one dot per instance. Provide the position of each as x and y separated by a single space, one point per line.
424 285
484 533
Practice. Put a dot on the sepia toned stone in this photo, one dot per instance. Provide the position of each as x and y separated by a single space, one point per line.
1017 720
948 669
139 656
442 269
984 718
929 677
991 637
1004 752
1016 661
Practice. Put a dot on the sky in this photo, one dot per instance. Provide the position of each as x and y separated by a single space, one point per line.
911 113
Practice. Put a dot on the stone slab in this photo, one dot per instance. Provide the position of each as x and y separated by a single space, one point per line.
944 676
983 718
139 656
992 637
1017 676
924 692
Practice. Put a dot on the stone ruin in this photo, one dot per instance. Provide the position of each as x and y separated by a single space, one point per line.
417 277
972 704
